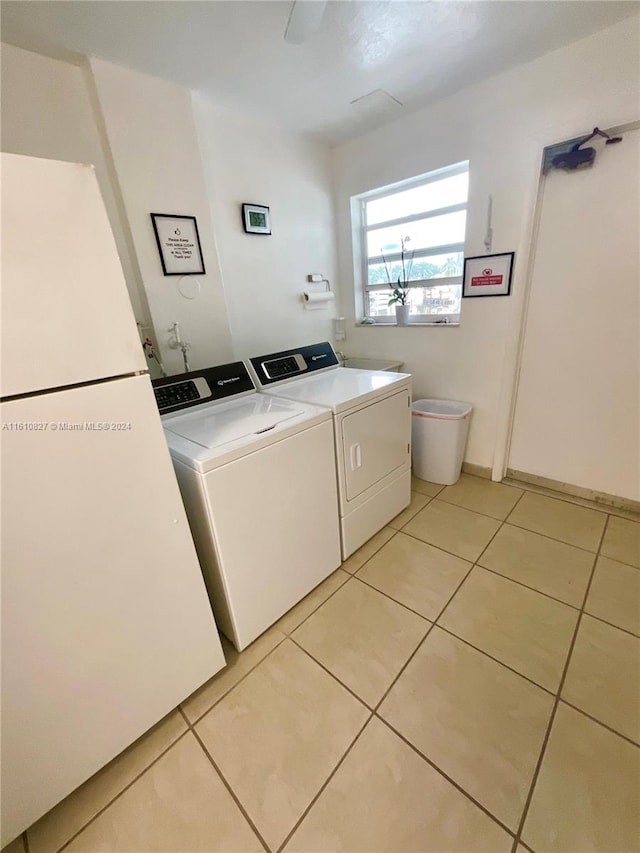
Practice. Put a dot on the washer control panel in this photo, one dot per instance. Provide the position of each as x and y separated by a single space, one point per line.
187 391
174 393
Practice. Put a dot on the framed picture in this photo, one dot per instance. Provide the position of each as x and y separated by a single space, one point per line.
178 244
488 275
256 219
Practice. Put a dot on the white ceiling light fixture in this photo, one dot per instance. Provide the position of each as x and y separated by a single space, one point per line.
304 20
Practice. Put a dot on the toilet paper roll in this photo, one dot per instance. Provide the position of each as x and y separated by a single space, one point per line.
318 298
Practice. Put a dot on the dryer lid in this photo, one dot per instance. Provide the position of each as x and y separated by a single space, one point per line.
215 426
343 388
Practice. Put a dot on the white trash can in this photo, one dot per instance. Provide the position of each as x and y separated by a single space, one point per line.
439 430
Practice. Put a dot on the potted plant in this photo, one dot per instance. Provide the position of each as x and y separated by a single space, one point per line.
400 289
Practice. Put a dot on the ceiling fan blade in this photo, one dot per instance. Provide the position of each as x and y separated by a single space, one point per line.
304 20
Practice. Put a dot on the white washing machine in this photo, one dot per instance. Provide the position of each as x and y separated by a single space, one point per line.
372 427
258 481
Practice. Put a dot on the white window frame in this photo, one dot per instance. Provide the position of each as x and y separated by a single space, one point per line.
394 189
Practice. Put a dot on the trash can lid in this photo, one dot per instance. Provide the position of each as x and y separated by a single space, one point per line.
441 409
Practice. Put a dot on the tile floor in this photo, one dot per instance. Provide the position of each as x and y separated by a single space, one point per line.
467 681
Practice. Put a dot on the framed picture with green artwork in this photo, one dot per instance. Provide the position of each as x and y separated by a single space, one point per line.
256 219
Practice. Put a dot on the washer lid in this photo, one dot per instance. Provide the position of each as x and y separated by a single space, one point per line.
218 425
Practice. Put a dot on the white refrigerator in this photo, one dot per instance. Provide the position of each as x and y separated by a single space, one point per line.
106 623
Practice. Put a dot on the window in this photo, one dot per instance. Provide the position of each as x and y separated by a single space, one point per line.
429 213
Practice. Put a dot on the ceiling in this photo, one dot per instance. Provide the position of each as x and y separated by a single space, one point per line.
234 50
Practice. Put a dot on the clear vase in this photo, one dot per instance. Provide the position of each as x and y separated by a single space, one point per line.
402 315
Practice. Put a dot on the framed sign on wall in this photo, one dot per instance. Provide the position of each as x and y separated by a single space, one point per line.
178 244
488 275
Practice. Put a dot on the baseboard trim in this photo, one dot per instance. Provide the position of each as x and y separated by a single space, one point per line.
476 470
602 498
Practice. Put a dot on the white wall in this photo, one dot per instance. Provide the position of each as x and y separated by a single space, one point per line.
501 126
264 276
577 411
140 133
47 112
152 137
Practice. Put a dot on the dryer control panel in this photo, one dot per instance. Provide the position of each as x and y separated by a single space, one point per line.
184 390
294 362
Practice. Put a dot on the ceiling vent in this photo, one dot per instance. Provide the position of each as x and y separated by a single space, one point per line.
376 103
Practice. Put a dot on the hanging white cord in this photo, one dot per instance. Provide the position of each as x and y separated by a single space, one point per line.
488 237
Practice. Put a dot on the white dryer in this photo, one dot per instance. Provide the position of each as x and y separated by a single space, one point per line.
372 428
258 481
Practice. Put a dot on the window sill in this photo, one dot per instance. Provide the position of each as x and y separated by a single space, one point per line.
407 326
